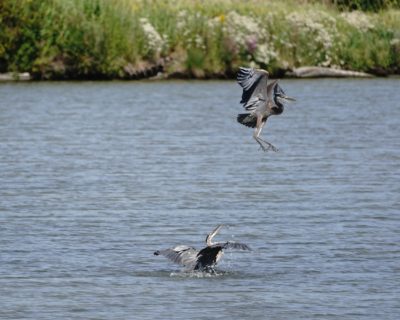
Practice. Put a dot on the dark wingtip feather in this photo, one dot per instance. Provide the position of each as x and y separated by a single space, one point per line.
157 253
237 245
246 247
247 120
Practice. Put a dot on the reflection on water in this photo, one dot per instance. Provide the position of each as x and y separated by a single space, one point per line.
95 176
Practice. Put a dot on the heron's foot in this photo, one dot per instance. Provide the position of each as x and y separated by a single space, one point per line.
272 147
269 147
266 146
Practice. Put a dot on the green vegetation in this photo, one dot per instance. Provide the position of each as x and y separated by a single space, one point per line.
83 39
367 5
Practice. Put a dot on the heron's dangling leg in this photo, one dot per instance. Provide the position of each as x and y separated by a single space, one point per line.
261 142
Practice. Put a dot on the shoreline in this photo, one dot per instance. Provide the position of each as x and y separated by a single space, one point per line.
307 72
132 40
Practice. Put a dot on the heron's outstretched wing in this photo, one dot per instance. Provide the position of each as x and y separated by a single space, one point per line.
235 245
184 255
254 84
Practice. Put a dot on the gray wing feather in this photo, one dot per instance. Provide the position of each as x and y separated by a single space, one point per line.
254 84
254 103
183 255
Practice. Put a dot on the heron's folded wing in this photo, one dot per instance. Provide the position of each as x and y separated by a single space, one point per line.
236 245
273 87
183 255
254 102
253 82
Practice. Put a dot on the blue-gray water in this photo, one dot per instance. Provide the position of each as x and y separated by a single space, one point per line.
95 176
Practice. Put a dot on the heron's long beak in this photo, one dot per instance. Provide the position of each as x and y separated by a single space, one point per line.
288 98
212 235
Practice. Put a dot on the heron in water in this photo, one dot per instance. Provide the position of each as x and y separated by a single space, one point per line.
206 258
261 100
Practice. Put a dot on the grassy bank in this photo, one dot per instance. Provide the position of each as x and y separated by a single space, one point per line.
58 39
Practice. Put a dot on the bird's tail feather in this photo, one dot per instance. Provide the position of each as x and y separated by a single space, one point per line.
247 119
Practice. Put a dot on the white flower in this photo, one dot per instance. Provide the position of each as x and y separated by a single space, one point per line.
320 28
181 20
249 35
240 28
154 41
395 42
199 42
264 54
358 20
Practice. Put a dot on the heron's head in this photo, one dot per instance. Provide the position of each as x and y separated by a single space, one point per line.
280 97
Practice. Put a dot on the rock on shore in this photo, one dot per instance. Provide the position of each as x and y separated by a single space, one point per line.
320 72
10 76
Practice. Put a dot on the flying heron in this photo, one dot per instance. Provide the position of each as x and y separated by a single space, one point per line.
206 258
261 100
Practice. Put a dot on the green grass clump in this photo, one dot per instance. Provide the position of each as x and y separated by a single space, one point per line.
65 39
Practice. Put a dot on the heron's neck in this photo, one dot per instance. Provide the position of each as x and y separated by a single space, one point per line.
278 107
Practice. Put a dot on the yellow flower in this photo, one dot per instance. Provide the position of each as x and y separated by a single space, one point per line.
221 18
135 7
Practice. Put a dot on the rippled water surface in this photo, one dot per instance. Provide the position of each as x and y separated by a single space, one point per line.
95 176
